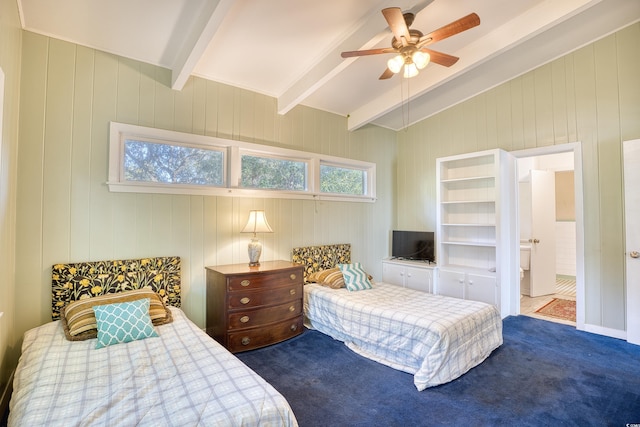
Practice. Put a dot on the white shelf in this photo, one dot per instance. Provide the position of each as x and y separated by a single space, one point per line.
455 202
462 224
468 179
473 226
486 271
471 243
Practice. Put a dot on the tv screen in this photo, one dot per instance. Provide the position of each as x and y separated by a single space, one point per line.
413 245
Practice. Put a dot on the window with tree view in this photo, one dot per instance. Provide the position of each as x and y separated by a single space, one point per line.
161 161
341 180
146 161
271 173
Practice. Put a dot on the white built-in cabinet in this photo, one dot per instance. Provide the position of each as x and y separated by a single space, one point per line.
475 227
409 274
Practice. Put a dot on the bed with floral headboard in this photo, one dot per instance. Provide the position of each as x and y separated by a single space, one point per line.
434 337
129 367
321 257
75 281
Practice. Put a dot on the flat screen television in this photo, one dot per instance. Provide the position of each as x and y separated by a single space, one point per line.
413 245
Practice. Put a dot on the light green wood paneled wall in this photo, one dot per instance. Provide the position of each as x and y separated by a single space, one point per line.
66 213
591 95
10 45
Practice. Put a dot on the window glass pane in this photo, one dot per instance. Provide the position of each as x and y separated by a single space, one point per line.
273 173
340 180
172 164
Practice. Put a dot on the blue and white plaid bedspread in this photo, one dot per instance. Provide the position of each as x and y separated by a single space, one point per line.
182 378
433 337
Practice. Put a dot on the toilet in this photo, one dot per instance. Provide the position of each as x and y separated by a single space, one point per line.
525 264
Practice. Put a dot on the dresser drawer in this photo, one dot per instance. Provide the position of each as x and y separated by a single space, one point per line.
254 306
242 300
249 339
262 281
262 316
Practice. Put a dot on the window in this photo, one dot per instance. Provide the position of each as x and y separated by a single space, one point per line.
270 173
343 180
148 160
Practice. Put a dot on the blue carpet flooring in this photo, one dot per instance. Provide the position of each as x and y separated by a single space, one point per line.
545 374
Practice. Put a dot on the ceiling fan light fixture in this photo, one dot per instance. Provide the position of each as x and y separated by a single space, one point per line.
395 64
410 70
421 59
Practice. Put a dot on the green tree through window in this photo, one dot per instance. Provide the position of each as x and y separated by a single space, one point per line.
172 164
273 174
340 180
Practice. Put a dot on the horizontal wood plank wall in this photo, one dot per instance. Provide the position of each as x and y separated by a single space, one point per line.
591 95
66 213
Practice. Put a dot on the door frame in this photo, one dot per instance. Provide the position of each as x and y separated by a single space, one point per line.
632 288
576 148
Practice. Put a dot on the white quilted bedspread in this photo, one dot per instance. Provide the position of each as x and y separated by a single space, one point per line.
182 378
433 337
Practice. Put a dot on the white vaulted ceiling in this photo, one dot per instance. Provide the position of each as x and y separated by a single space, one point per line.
290 49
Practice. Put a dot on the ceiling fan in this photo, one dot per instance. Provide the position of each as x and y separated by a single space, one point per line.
410 45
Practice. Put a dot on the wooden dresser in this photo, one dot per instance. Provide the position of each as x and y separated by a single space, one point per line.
252 307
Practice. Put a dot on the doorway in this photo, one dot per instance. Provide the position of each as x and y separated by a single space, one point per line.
524 301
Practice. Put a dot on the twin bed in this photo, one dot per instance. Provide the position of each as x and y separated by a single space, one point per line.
183 377
434 337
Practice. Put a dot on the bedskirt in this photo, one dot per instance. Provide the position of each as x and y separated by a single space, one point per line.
434 337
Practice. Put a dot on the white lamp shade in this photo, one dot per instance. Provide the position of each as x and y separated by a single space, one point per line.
395 64
421 59
410 70
257 223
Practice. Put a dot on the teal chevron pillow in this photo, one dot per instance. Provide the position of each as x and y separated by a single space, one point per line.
355 278
123 322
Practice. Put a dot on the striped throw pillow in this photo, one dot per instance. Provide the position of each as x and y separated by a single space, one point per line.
79 320
355 278
331 278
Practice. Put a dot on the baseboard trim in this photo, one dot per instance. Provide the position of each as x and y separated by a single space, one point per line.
6 397
609 332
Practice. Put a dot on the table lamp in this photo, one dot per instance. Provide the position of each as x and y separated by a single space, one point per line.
257 223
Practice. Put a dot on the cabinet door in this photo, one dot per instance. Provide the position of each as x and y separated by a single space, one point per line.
482 288
393 273
418 278
450 283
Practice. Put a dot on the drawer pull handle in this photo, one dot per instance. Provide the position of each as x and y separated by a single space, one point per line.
292 291
245 340
293 277
244 319
292 308
245 300
294 327
245 283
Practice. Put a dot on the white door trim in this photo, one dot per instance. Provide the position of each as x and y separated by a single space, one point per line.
632 285
576 148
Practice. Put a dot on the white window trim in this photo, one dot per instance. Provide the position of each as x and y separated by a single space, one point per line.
118 132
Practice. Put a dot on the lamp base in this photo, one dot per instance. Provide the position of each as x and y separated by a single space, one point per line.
255 250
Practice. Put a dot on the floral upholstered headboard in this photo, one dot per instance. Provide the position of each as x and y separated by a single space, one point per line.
316 258
71 282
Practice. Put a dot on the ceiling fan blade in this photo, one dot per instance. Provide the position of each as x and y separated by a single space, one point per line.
441 58
396 22
353 53
456 27
386 75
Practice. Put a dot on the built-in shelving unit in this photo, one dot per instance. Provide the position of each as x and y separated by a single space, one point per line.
475 225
